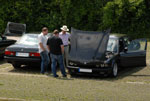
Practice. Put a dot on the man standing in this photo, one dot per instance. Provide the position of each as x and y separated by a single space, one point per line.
65 36
56 48
42 38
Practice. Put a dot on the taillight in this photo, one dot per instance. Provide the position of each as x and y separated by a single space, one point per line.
10 53
35 54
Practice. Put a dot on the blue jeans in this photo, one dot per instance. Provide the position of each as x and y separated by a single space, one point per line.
54 59
44 61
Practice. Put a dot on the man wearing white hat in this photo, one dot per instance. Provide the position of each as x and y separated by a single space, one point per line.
65 36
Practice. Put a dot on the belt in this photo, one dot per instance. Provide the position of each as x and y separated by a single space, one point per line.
65 45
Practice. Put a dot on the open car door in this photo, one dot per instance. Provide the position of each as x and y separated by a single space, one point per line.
136 53
15 29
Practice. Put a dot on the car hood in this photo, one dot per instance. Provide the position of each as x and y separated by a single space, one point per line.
15 29
23 48
88 46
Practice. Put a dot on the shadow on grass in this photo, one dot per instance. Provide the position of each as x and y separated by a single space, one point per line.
27 69
36 70
2 61
124 72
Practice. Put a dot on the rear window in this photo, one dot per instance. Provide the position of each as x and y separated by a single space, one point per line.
29 39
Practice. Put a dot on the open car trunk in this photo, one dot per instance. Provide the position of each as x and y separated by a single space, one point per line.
15 29
88 46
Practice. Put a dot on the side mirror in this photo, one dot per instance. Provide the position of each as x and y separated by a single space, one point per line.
125 49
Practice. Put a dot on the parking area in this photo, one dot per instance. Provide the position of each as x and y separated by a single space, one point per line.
132 84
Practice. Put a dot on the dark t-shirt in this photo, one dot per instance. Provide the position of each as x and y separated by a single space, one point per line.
55 45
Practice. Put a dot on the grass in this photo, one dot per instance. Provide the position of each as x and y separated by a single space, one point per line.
132 84
42 88
3 64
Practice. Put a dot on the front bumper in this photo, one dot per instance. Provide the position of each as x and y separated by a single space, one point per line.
99 70
23 60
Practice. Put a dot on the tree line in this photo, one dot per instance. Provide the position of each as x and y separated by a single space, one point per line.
130 17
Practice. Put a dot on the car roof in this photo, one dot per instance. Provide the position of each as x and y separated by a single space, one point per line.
35 33
32 33
117 35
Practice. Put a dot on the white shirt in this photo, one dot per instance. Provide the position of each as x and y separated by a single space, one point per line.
65 38
42 39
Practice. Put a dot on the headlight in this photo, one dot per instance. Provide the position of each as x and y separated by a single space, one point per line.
71 63
104 65
97 65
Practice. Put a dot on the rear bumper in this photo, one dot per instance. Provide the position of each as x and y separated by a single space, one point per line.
23 61
100 70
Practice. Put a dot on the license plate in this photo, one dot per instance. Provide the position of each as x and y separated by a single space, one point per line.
22 54
85 70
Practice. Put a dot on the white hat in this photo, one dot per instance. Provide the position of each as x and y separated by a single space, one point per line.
64 28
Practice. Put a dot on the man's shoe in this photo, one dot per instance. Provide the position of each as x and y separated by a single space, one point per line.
64 75
46 73
56 76
42 73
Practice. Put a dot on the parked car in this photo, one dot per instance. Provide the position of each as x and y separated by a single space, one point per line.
101 53
24 52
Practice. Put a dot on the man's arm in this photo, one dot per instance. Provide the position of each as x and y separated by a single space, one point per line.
42 47
40 43
48 47
62 46
62 49
48 44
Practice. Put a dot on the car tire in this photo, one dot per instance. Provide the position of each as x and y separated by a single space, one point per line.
16 66
114 70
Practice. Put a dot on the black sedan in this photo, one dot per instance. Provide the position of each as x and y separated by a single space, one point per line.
24 52
101 53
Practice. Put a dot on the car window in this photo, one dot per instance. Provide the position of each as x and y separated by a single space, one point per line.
112 45
137 45
29 40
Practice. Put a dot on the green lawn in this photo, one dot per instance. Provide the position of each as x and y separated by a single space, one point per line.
132 84
3 64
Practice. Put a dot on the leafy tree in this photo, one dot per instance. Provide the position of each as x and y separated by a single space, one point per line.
123 16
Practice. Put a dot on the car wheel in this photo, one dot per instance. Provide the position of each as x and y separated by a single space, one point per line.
16 66
115 70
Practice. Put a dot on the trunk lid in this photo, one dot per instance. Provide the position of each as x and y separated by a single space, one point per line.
23 48
15 29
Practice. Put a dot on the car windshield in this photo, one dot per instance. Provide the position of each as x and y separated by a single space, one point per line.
29 39
112 45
